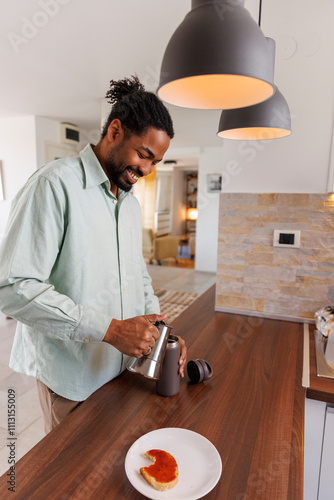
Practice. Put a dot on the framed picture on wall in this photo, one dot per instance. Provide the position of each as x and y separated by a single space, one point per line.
1 184
214 183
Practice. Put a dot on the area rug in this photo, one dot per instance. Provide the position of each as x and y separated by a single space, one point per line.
174 302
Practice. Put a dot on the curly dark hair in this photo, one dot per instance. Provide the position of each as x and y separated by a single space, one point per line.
137 109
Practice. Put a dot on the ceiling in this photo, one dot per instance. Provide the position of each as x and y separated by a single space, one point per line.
58 56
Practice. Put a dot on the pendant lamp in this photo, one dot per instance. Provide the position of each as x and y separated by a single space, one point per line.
267 120
218 58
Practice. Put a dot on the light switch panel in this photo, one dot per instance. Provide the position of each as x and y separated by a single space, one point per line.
286 238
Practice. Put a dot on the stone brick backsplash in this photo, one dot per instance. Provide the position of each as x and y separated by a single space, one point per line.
255 277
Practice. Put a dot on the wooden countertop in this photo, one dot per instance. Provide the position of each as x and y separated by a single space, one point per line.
252 410
321 388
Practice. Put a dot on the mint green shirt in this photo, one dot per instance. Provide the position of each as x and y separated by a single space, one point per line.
71 261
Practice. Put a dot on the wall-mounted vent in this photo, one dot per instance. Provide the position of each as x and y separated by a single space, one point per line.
69 133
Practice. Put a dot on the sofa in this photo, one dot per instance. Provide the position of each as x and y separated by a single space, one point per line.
159 248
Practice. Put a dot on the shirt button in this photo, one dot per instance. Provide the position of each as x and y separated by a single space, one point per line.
114 202
86 340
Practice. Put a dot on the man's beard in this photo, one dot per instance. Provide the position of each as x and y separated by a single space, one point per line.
116 171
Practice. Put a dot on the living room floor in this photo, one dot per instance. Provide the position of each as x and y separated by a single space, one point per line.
29 421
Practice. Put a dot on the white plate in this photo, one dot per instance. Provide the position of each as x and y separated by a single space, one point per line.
199 463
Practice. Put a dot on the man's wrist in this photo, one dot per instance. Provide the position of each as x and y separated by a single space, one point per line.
110 333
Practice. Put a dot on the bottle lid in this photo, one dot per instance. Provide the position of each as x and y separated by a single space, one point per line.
199 370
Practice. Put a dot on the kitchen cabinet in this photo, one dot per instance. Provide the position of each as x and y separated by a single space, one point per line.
315 412
318 432
326 479
318 451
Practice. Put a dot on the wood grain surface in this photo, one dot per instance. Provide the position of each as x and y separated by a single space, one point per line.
252 410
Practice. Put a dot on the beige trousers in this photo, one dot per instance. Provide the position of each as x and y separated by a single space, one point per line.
54 407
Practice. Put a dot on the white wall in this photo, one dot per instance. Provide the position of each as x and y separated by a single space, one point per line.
26 143
47 131
18 157
210 162
296 164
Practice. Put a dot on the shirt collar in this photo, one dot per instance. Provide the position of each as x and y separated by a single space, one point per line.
94 173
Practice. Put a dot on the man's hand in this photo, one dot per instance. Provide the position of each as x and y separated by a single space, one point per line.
183 356
134 336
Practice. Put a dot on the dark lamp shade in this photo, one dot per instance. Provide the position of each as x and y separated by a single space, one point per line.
267 120
218 58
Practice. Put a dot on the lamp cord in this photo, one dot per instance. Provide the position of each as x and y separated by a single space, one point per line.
260 12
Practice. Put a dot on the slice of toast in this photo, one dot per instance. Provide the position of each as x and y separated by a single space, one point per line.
163 473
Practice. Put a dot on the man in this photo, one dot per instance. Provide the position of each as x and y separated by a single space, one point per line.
71 266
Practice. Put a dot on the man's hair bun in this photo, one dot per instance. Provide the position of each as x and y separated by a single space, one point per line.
121 88
137 109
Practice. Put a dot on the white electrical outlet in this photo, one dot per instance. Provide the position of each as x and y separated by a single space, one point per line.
286 238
